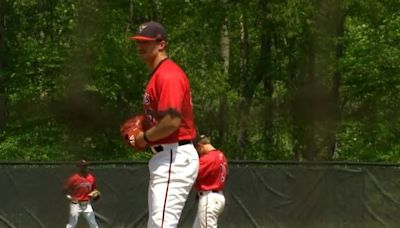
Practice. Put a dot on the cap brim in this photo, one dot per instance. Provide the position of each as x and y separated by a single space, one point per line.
141 38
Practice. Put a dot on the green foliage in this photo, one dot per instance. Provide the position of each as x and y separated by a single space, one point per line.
33 139
371 87
72 76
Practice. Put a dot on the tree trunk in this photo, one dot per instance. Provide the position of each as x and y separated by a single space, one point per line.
129 27
244 44
242 113
251 81
305 91
225 46
335 92
316 103
3 108
262 73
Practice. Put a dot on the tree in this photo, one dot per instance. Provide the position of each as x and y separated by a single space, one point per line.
3 107
295 79
315 106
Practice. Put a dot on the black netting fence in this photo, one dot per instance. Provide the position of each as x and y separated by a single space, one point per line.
258 194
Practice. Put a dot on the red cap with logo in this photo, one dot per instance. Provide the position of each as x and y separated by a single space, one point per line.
150 31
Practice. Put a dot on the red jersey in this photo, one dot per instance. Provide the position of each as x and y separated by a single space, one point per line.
213 170
169 89
79 186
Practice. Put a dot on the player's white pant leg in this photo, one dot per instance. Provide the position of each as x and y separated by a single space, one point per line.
172 175
73 215
210 207
91 219
196 223
88 213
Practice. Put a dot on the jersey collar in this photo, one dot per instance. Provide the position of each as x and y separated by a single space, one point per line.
159 64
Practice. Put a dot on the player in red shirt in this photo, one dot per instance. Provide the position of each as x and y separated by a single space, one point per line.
80 188
168 105
210 183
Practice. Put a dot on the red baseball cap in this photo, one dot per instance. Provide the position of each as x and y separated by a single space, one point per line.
150 31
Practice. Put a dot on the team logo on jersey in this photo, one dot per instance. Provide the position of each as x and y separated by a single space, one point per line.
146 99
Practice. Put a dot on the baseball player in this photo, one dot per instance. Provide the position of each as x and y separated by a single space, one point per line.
168 105
210 182
81 189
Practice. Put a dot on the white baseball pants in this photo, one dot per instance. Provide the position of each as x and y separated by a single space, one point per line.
209 208
173 172
86 211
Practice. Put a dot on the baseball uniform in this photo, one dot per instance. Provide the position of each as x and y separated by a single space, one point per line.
210 182
78 188
174 164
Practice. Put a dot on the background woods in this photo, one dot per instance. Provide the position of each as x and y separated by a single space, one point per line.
276 80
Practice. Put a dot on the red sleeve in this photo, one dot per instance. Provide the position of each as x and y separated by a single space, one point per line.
94 186
171 89
67 183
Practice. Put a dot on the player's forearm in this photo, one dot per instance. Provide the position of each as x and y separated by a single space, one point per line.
164 128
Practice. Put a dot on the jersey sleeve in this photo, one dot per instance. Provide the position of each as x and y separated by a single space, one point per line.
94 185
172 90
67 183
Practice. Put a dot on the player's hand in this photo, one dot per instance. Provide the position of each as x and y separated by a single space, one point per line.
132 132
138 140
95 195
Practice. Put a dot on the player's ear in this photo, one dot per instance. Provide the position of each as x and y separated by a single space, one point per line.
162 45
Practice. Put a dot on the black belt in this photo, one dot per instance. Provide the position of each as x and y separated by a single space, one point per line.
201 193
180 143
80 202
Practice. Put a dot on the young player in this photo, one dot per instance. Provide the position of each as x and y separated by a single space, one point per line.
167 104
81 189
210 183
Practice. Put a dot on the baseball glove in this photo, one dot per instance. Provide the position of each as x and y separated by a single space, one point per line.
131 128
95 194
